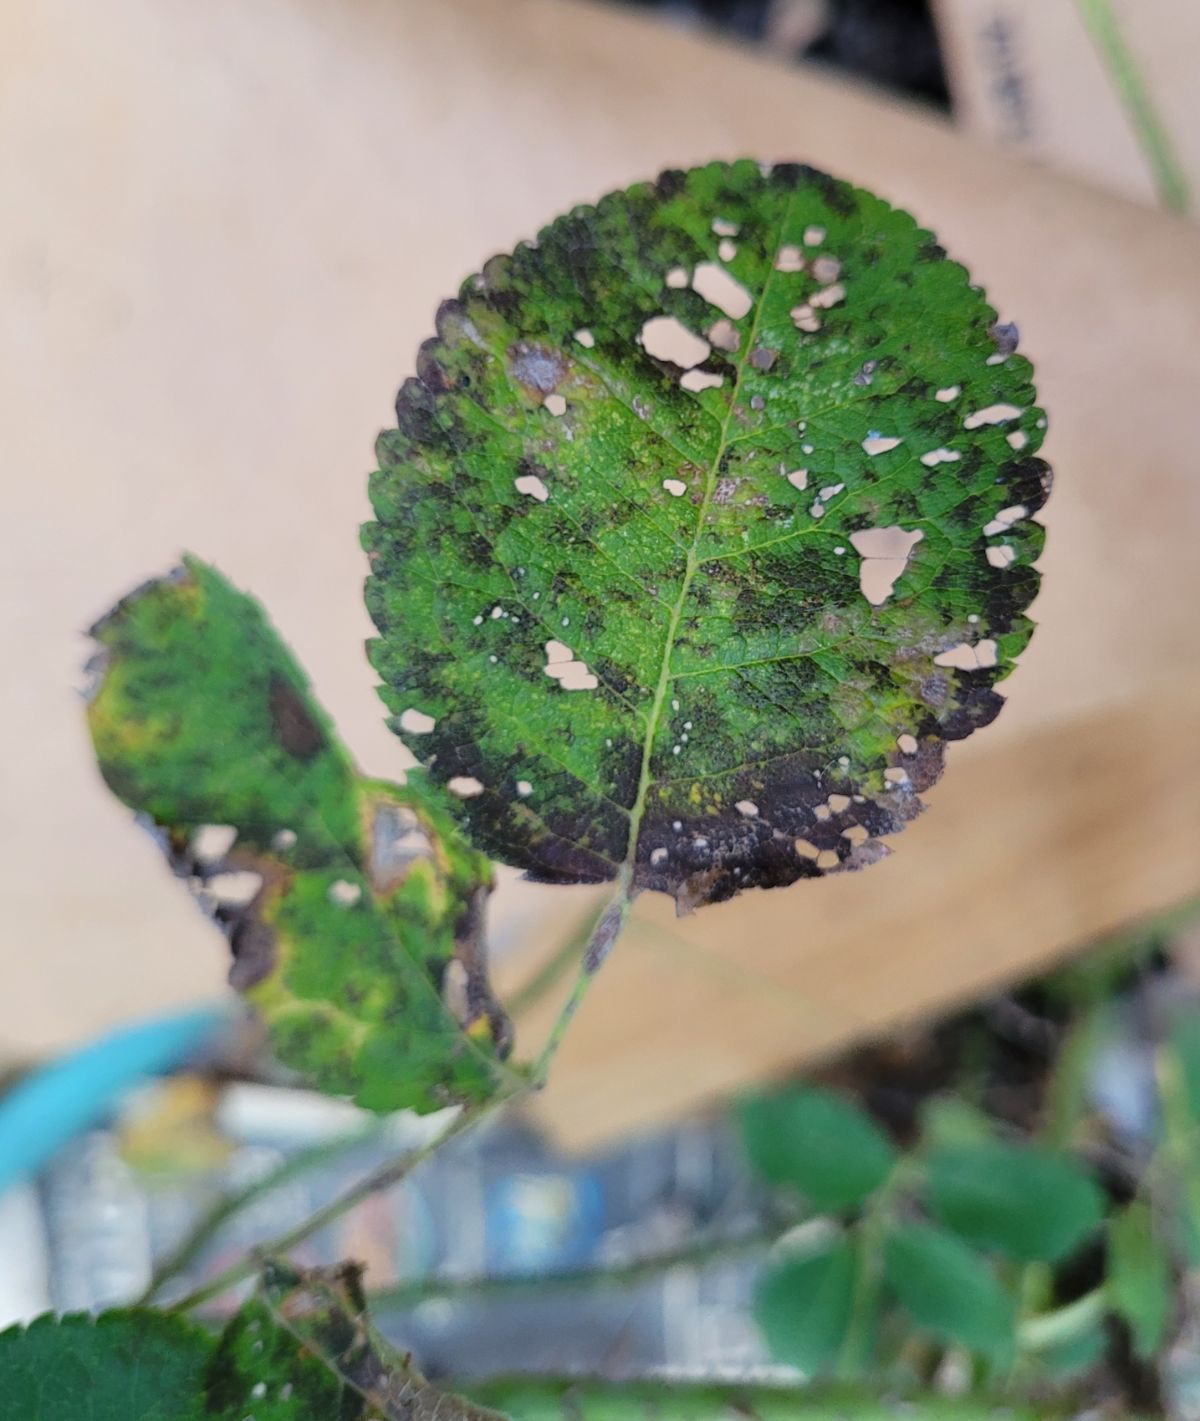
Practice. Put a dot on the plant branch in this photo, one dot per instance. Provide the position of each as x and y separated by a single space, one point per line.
405 1295
229 1205
557 965
595 953
383 1177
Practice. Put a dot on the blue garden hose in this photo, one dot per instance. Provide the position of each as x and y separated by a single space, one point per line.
52 1104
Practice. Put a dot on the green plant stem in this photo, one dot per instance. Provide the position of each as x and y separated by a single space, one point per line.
1049 1329
604 932
855 1354
595 953
556 966
229 1205
406 1295
384 1177
1101 22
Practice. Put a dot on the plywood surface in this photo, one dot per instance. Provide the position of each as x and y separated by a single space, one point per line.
225 230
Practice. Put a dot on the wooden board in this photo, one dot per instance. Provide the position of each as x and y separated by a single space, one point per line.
226 229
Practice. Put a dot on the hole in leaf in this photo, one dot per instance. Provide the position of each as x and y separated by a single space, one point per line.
907 744
416 722
667 338
585 338
789 258
556 404
798 478
876 443
677 278
675 487
1002 555
235 889
724 228
344 893
992 414
806 850
465 786
804 318
727 250
716 285
724 335
939 456
885 553
826 269
284 840
562 667
1004 520
965 657
814 236
1017 439
951 392
697 380
533 486
211 842
747 807
524 788
831 296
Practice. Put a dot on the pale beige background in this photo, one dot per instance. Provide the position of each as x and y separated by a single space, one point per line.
225 229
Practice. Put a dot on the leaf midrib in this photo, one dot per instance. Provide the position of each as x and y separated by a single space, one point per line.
693 563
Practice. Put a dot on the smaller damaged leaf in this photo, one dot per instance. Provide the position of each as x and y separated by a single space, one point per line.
354 908
305 1348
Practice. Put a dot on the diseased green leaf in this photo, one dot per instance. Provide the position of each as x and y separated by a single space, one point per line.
803 1306
353 907
131 1365
262 1369
631 596
1139 1276
824 1145
305 1350
949 1290
1029 1203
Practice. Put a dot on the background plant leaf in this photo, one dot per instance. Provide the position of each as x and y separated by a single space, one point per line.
354 908
1139 1276
1026 1202
803 1306
625 596
949 1290
817 1141
134 1365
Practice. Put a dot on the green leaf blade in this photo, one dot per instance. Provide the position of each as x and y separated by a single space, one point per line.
949 1290
560 493
129 1365
803 1307
1029 1203
818 1142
